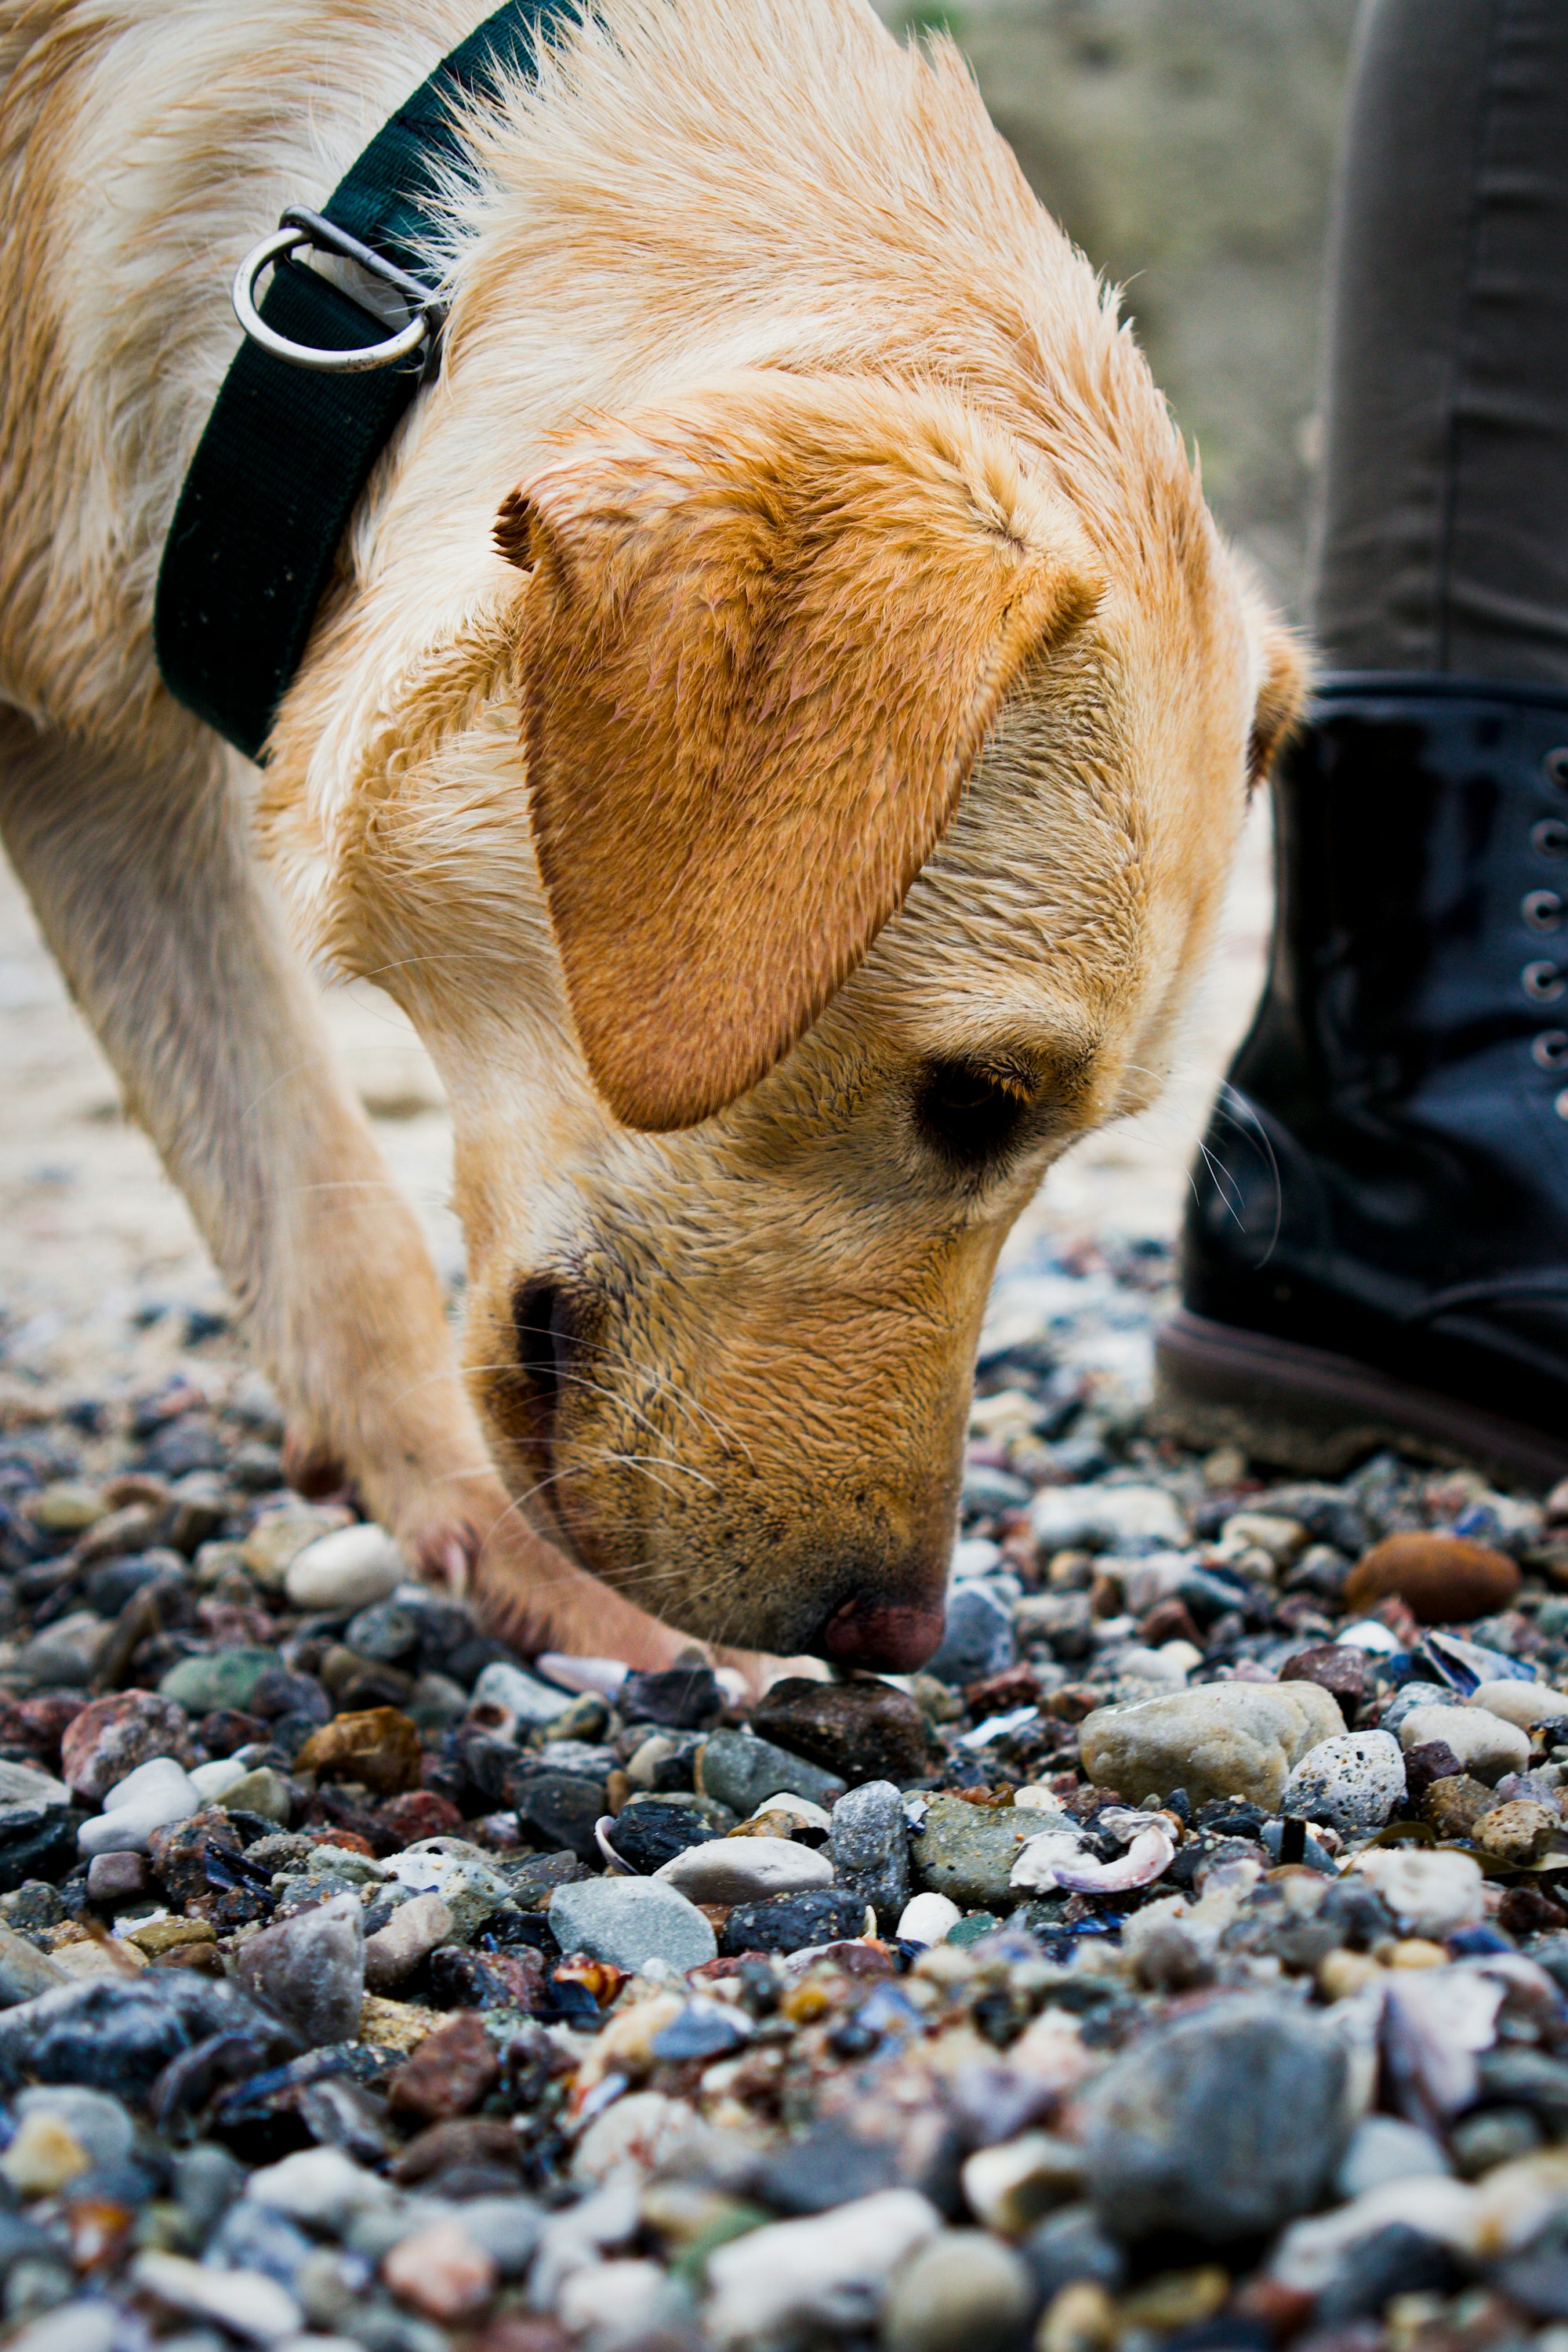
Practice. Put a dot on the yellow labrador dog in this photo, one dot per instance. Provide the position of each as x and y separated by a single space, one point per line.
780 728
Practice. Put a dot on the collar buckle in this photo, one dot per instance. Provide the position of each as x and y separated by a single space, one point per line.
299 227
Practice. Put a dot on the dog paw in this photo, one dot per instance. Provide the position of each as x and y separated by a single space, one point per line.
531 1596
314 1470
749 1673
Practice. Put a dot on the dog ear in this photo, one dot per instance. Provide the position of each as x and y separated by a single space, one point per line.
1281 699
514 530
766 632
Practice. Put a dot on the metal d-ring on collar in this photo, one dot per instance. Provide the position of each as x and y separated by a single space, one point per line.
300 227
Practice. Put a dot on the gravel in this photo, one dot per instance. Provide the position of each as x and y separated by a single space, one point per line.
363 1983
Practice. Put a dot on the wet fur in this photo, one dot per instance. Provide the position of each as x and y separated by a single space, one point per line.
773 1308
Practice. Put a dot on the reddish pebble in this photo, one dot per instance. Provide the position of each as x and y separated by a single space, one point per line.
1530 1911
348 1841
441 2273
116 1877
379 1748
468 2139
1074 1701
227 1729
419 1813
1283 2310
1434 1760
513 2333
1013 1687
1337 1667
112 1737
47 1718
870 1958
1169 1621
452 2070
1442 1579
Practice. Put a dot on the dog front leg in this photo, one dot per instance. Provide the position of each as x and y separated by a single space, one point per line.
143 883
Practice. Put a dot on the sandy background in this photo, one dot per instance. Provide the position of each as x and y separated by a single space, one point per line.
1187 145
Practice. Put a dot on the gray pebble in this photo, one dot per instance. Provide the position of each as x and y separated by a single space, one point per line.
630 1921
206 2181
98 2124
507 2228
117 2033
869 1843
252 2238
977 1639
967 1852
310 1970
24 1971
1225 2125
742 1772
1070 2245
1412 1695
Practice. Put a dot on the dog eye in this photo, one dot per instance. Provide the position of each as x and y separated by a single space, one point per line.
970 1112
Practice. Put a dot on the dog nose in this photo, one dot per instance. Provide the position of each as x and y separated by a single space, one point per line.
890 1637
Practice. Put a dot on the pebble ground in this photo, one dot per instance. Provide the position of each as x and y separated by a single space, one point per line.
1178 1962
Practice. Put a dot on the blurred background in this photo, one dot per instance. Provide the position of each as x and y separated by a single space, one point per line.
1187 145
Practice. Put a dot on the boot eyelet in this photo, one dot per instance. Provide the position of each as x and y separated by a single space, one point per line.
1561 1104
1549 838
1556 766
1542 910
1543 983
1550 1050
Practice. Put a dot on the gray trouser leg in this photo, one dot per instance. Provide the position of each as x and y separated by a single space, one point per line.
1442 542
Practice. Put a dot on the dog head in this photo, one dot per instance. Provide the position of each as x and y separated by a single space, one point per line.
835 813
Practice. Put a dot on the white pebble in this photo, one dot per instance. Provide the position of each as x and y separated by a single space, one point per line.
147 1799
319 2186
1354 1781
738 1870
1384 2148
828 2272
1524 1703
246 2303
149 1783
349 1569
1428 1894
522 1696
211 1781
1484 1745
1011 2184
414 1931
645 2129
928 1920
77 2326
1065 1516
608 2297
1312 2253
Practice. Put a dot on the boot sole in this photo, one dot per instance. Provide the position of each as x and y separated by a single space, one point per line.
1303 1409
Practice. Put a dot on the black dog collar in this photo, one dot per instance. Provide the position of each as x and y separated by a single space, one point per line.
297 427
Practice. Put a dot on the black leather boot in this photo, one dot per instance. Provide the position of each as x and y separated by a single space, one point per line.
1377 1247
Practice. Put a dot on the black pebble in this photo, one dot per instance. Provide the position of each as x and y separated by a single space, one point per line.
683 1698
646 1836
787 1923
